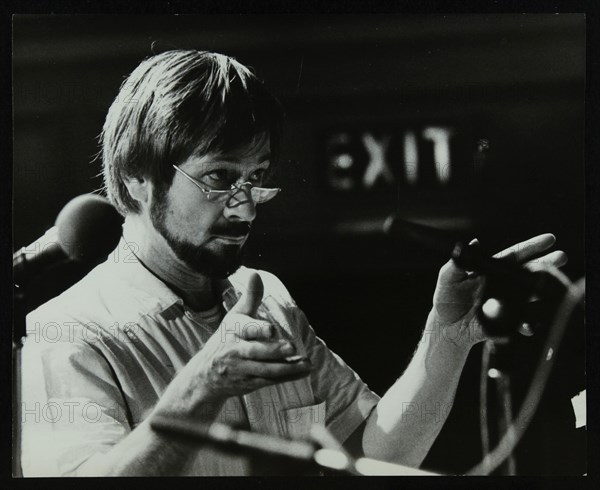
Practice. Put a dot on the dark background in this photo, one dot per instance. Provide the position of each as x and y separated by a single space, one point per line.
517 81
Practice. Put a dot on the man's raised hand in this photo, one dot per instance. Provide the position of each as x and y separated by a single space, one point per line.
457 291
242 356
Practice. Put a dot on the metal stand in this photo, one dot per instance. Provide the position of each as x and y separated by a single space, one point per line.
19 329
284 457
501 378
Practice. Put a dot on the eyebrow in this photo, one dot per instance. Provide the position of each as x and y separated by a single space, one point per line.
226 157
229 162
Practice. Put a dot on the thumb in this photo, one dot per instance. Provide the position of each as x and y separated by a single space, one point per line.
452 272
251 298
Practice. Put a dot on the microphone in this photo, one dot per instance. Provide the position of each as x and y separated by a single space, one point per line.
452 244
87 229
506 303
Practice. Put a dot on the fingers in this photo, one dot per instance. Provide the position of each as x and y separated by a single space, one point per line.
557 258
528 249
273 371
254 383
451 272
251 298
266 351
268 381
251 329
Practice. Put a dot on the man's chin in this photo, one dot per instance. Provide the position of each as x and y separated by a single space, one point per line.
215 259
215 264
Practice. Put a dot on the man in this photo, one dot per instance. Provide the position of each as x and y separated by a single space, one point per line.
177 327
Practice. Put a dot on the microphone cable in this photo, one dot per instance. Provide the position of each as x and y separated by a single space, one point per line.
573 295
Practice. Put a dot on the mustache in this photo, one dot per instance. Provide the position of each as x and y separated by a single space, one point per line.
233 230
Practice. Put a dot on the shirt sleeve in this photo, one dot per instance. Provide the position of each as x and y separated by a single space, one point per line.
71 408
349 400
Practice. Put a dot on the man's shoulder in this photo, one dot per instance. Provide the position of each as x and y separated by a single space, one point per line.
93 299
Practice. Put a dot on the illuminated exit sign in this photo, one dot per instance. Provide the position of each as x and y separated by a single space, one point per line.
418 156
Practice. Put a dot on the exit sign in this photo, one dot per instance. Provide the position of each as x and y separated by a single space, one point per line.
379 157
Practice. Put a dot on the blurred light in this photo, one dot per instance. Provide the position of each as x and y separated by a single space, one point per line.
525 329
441 151
411 157
492 308
344 161
331 459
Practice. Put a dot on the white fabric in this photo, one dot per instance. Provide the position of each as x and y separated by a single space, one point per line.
98 357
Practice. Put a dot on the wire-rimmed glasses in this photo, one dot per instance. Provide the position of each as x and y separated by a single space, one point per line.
259 194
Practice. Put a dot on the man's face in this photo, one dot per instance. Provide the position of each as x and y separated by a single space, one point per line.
209 236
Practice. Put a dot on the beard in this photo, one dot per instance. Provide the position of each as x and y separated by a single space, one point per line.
214 263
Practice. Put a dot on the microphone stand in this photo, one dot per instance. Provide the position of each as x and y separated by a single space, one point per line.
291 457
509 306
23 302
498 374
268 455
21 305
18 333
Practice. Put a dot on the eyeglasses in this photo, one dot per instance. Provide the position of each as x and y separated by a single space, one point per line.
259 194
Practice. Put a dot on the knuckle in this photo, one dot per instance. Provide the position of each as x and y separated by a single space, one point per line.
265 329
220 366
285 347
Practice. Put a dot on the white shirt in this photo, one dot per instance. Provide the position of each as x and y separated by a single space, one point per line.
98 357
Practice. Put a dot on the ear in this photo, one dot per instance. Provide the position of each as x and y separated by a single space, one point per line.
139 189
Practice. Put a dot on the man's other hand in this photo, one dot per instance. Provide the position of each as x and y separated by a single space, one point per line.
458 292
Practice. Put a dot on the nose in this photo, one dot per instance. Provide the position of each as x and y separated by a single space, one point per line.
241 206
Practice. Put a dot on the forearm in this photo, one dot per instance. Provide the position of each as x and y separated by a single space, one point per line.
142 453
407 420
145 452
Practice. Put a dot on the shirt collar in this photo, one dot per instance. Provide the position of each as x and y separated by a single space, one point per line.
154 293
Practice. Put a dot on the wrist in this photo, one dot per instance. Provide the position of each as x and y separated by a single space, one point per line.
459 336
195 403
